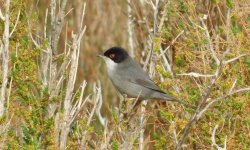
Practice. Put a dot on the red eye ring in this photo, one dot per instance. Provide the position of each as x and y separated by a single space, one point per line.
112 55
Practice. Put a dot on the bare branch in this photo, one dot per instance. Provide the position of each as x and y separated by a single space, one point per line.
36 44
162 54
173 125
234 59
141 125
4 128
1 48
214 141
221 98
228 22
10 84
15 23
69 91
102 120
210 43
164 15
199 113
172 42
1 15
107 137
204 98
45 24
232 87
195 117
130 29
78 104
57 23
96 98
194 74
83 15
5 57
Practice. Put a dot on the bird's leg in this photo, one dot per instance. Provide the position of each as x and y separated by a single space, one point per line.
122 105
125 102
122 100
121 114
135 105
133 109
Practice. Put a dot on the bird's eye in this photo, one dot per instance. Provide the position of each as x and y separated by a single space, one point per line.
112 55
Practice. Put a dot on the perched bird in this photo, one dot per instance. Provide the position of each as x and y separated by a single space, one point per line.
130 79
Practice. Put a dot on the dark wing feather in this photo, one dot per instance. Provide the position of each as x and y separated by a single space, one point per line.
137 75
147 83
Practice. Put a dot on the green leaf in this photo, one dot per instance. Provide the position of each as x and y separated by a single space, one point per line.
247 62
167 116
115 145
230 3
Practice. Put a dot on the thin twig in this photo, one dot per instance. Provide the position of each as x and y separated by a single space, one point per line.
212 102
10 84
5 57
57 23
14 28
174 132
96 98
234 59
141 124
45 24
233 85
210 43
102 120
1 15
194 74
228 29
172 42
130 29
164 15
214 141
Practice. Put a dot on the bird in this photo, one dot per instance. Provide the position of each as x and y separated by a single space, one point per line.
130 79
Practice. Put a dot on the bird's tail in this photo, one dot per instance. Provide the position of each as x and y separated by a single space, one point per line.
170 98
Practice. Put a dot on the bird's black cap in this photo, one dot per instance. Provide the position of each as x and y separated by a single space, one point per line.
117 54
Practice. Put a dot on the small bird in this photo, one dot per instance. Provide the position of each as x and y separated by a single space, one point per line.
130 79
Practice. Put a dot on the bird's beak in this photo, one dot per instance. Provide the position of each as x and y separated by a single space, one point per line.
101 56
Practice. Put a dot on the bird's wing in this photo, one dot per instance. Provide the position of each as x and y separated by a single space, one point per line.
147 83
137 75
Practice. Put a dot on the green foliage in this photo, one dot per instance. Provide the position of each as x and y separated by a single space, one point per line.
167 116
163 72
26 105
183 7
237 105
114 116
236 29
31 138
247 62
13 141
157 44
194 93
180 61
230 3
165 33
160 143
215 1
115 145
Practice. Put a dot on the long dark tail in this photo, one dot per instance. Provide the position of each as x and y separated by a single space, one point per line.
170 98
